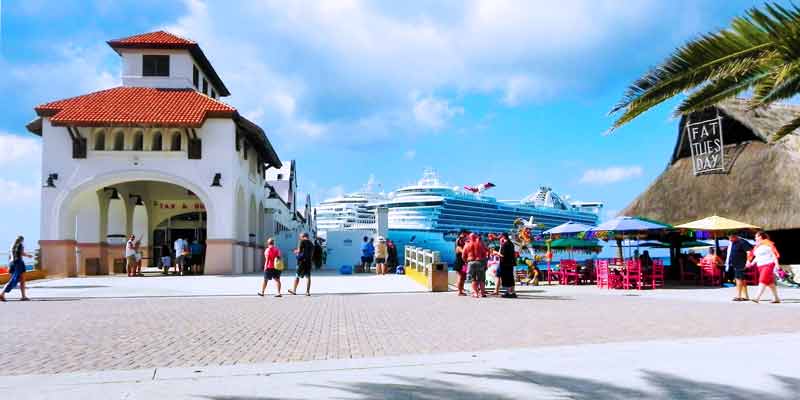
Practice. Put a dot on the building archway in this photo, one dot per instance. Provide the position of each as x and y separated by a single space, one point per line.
88 223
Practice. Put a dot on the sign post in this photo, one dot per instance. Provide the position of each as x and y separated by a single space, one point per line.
705 141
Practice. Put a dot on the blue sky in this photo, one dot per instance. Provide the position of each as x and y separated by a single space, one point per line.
513 92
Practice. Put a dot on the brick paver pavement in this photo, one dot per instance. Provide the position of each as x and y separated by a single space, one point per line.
44 337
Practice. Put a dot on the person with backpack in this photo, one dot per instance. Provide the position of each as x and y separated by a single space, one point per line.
273 266
304 251
16 269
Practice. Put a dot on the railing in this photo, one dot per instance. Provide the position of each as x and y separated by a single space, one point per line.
421 260
425 267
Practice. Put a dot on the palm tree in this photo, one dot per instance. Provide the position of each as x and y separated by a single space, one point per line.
758 54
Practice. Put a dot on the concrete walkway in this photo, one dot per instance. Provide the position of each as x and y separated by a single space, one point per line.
322 282
675 369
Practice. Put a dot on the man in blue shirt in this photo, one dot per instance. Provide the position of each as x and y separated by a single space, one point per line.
367 254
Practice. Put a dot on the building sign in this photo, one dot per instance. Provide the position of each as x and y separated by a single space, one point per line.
705 141
188 205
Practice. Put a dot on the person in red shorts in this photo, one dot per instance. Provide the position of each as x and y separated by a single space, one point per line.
271 255
765 257
476 255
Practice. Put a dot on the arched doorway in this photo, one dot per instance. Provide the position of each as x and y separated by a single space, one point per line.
99 217
190 227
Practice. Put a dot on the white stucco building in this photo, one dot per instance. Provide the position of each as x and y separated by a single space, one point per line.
158 157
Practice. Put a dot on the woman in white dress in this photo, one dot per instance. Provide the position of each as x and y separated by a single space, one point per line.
765 257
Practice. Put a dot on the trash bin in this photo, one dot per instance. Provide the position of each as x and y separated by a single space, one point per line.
439 278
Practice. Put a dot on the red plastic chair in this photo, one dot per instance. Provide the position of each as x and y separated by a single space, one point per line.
657 275
633 275
568 272
601 269
710 275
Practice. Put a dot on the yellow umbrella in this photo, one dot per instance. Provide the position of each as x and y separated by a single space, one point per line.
716 223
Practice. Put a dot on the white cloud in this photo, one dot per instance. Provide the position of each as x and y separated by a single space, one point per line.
19 149
609 175
434 113
72 71
410 154
16 193
343 72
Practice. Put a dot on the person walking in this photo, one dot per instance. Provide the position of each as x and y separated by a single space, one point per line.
765 257
16 269
367 254
272 267
391 258
476 254
508 261
130 255
318 250
196 250
460 265
180 248
166 260
138 256
381 253
304 251
736 260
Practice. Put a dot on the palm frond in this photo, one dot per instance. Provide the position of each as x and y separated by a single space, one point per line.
715 92
787 129
752 53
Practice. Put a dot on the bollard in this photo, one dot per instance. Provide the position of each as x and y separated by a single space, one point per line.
438 277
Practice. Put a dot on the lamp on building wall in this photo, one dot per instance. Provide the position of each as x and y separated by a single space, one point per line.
51 181
138 198
217 180
114 193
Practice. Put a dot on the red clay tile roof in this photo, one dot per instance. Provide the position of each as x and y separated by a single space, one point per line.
133 106
166 40
152 39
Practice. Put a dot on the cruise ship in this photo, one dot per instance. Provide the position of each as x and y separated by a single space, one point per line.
430 214
346 212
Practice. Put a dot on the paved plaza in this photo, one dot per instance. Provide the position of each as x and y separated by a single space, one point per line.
123 326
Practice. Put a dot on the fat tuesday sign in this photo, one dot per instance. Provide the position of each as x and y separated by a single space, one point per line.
705 141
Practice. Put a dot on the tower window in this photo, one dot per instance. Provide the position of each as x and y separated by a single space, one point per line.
138 141
157 146
100 141
155 65
195 77
176 142
119 141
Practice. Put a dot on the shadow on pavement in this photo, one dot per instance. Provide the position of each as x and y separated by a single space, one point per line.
664 386
71 287
241 398
414 388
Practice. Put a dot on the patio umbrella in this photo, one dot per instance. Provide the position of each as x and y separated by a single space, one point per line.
684 245
655 245
717 225
625 225
568 228
571 244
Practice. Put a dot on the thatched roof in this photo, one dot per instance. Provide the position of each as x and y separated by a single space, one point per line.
761 184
